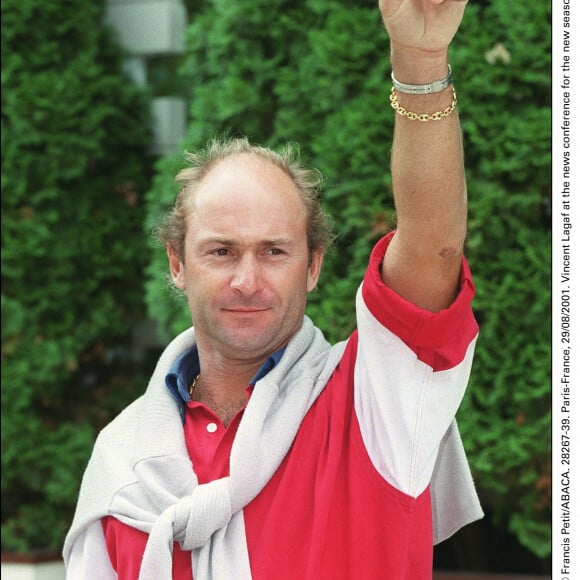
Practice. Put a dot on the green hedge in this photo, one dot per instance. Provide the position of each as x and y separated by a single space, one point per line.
317 73
75 164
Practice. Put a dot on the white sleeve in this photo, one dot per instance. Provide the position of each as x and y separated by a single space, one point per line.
89 559
403 406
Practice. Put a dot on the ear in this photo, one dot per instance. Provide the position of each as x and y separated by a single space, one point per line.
314 268
176 268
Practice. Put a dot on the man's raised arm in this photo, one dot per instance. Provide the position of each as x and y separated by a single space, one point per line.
423 261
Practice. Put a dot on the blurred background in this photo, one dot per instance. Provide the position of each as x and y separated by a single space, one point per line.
99 101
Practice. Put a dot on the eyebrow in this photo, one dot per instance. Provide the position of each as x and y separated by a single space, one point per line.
223 241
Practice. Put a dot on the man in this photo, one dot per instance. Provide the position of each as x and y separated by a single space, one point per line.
259 451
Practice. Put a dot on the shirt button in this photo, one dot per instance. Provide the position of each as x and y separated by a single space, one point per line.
211 427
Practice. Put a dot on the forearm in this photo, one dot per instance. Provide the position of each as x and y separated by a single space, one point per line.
427 159
424 260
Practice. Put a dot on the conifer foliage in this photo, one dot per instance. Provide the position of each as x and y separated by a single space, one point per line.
75 164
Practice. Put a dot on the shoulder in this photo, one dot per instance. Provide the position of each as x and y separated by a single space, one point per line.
122 425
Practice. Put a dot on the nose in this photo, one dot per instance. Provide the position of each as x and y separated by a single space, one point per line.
247 277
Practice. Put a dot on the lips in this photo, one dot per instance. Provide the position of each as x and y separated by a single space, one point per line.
244 307
246 310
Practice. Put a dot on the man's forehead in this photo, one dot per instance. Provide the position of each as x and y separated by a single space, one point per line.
249 175
250 164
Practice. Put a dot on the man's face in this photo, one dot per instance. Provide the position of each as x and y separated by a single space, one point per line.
246 268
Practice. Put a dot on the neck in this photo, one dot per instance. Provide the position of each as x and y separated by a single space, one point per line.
224 378
222 383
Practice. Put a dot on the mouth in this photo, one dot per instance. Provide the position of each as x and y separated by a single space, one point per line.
245 310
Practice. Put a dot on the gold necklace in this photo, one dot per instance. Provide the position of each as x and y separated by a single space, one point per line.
192 387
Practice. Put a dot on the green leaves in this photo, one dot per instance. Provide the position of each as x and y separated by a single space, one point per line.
74 170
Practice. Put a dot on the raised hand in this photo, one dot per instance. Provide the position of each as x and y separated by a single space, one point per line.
426 25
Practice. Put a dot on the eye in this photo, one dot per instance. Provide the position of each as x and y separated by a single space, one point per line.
275 251
221 252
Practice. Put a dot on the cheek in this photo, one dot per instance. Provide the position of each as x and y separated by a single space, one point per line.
205 289
295 285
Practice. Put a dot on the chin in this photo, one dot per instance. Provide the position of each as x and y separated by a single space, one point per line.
251 340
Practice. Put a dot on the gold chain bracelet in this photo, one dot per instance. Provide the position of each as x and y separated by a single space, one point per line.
437 116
